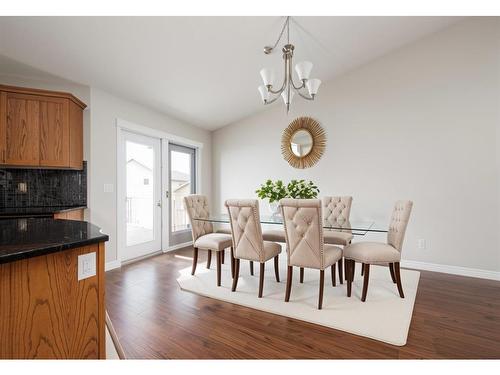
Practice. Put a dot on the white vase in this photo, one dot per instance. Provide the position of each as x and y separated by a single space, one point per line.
275 208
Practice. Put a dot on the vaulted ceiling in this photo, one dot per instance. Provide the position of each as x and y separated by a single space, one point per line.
203 70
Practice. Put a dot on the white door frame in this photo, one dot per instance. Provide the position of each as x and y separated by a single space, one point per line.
154 245
165 138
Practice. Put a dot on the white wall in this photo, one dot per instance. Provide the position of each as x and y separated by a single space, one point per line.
420 123
100 138
106 108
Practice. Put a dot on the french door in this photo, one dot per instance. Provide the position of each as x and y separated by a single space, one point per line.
182 182
141 163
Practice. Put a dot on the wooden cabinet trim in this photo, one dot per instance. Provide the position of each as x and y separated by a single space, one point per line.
45 93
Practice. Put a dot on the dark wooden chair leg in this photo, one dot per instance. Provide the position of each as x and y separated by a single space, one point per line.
236 274
288 283
301 275
219 265
341 273
362 269
261 278
397 273
223 256
391 269
321 287
232 262
351 266
276 268
251 267
195 260
365 282
333 275
209 258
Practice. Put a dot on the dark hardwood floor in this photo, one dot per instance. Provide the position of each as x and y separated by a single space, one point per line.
454 317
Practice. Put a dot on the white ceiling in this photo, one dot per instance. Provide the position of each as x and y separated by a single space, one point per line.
203 70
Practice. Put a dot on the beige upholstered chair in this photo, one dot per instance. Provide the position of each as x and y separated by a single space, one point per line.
247 239
304 239
336 211
380 253
204 237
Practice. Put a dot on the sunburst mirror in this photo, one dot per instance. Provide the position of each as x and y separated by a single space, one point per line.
303 142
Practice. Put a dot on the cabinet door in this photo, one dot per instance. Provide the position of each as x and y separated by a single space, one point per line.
22 130
3 125
54 132
75 136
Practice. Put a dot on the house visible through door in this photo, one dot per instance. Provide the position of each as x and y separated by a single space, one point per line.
142 200
182 181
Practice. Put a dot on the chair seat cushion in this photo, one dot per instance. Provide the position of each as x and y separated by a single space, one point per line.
332 254
333 237
277 235
214 241
271 249
372 253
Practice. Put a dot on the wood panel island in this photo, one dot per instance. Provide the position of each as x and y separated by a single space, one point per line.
51 289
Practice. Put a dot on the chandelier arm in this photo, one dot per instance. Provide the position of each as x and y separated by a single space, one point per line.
285 78
290 77
269 89
272 100
304 96
298 87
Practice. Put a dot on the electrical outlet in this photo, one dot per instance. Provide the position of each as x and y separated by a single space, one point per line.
86 266
421 244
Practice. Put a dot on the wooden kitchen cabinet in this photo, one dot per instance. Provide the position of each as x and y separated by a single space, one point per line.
70 215
40 128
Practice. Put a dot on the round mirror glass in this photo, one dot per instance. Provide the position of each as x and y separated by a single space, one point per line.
301 143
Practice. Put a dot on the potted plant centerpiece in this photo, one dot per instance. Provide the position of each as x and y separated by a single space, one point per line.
274 191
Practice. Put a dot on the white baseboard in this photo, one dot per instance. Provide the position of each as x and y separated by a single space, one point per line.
117 264
178 246
112 265
454 270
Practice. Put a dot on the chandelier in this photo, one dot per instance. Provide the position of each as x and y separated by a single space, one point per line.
288 87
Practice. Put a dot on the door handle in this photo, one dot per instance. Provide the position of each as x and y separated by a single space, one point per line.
167 195
158 204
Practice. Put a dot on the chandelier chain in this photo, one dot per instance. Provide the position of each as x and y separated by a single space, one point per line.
285 26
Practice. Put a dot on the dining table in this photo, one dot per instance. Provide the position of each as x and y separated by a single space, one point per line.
356 227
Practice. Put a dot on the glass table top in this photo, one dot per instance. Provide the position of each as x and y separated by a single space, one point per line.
357 227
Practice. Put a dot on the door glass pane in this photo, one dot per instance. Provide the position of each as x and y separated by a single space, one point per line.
181 185
140 193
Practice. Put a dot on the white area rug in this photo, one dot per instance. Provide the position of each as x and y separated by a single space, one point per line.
384 316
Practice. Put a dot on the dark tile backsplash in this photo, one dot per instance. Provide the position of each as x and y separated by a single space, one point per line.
43 187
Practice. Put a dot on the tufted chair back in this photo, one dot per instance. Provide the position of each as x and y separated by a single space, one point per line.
303 232
399 221
197 207
245 229
336 210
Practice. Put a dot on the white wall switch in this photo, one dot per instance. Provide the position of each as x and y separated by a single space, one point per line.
421 244
86 266
108 188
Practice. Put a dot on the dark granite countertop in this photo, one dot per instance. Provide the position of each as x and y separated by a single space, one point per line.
36 211
30 237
